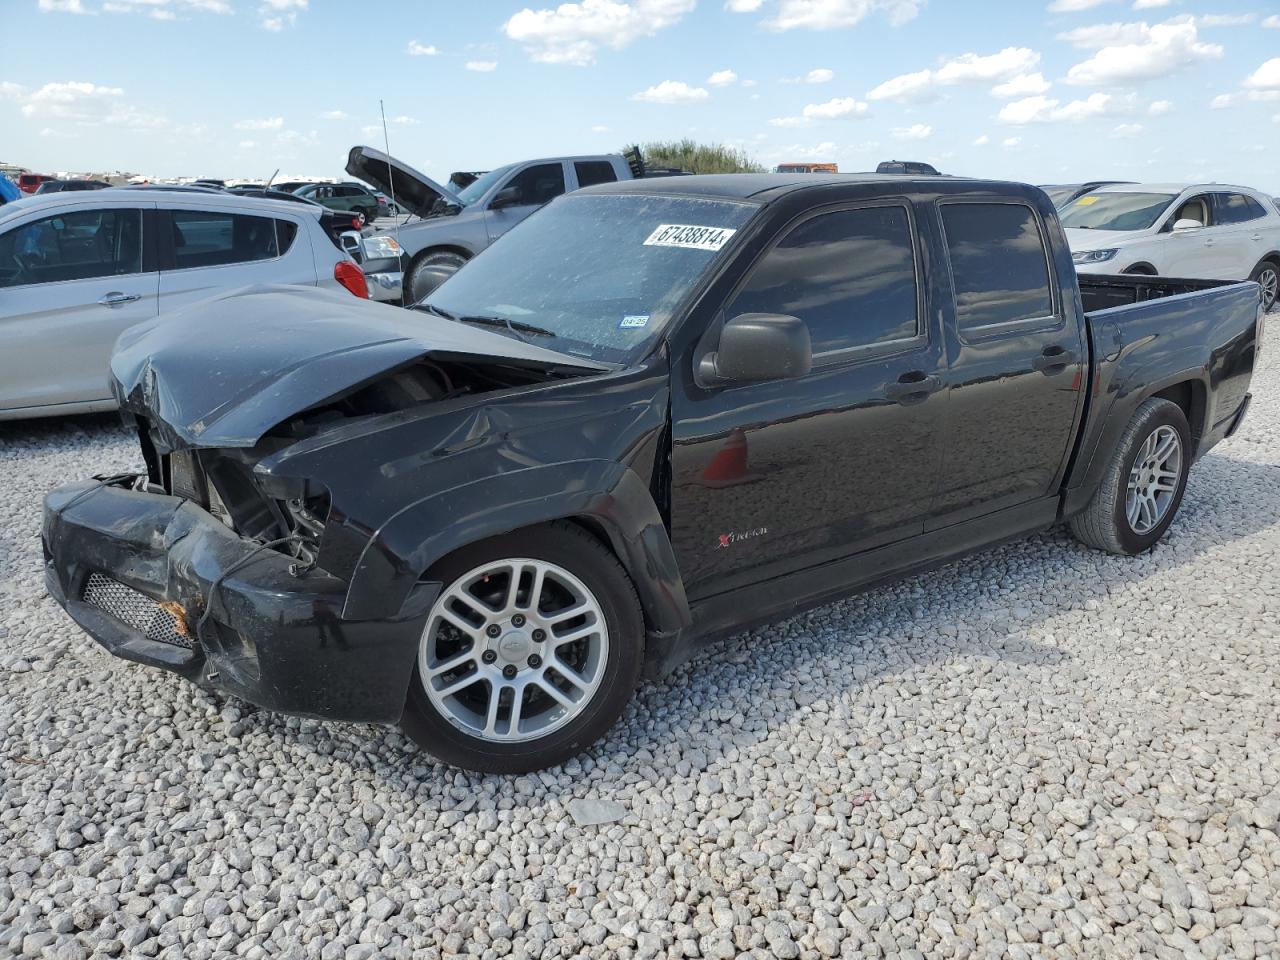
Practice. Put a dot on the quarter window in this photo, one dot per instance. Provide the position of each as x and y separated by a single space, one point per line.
999 271
538 184
849 275
204 238
591 172
72 246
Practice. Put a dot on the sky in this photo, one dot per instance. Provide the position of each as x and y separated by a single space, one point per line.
1033 90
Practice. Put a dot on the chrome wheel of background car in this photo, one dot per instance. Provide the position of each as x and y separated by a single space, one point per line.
1269 280
513 650
1153 480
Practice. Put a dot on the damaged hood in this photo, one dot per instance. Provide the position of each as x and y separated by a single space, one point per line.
414 191
223 372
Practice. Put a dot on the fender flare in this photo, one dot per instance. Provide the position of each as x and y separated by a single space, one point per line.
609 493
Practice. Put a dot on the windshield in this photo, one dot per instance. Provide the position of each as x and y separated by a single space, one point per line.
595 276
480 186
1059 194
1115 211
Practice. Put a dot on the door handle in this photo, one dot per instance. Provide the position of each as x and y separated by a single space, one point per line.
1053 360
1256 236
1208 243
115 298
912 387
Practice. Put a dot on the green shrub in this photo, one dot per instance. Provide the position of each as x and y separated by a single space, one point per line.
698 157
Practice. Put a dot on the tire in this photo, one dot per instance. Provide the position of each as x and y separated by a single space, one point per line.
455 719
429 271
1105 523
1267 275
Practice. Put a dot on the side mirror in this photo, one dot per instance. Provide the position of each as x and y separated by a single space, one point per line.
1185 224
506 197
755 347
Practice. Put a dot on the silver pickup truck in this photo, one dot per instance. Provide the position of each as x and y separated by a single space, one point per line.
455 225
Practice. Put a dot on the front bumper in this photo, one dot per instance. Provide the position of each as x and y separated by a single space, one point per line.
275 635
384 277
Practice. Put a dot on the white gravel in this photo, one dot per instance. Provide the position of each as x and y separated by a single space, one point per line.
1041 751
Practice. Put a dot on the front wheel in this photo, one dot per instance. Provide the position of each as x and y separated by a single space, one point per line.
530 653
431 270
1144 482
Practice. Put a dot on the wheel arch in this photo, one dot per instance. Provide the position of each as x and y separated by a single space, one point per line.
443 248
1142 268
1192 396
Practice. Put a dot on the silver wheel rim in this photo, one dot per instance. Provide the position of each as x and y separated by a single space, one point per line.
513 650
1153 480
1269 280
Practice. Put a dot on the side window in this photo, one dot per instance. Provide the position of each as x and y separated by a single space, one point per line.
286 230
204 238
539 184
1236 208
591 172
849 275
1197 209
999 271
80 245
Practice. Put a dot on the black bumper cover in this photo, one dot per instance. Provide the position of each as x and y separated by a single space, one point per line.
274 637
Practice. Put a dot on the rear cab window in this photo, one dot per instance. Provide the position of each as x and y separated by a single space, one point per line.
591 172
850 275
999 265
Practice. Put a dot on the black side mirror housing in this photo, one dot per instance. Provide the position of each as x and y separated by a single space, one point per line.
755 347
506 197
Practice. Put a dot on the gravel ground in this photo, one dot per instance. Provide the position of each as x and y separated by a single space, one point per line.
1039 751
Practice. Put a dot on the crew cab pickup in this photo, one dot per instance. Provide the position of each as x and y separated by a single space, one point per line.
657 412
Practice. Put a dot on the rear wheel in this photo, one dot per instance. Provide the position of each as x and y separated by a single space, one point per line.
530 653
431 270
1267 276
1143 486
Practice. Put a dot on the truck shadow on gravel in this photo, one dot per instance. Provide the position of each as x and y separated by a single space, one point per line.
738 691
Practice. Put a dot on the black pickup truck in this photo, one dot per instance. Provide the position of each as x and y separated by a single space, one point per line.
657 412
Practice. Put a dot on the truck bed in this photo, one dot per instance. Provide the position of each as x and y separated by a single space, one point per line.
1100 291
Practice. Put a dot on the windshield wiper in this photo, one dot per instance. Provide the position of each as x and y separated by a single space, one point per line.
432 308
515 326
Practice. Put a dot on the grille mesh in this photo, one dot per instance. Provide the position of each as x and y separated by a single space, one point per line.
134 609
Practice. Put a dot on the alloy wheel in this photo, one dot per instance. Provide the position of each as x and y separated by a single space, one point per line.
1269 280
513 650
1153 480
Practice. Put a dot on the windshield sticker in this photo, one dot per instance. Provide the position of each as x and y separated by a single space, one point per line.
1086 201
633 321
690 237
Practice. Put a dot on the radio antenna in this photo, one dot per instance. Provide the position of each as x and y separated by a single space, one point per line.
391 176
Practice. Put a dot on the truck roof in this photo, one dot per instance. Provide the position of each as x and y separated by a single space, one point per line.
767 186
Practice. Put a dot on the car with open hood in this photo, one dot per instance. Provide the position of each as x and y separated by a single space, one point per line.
657 413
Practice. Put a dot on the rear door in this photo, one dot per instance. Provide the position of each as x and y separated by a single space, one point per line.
772 477
203 252
1241 242
71 281
535 184
1015 362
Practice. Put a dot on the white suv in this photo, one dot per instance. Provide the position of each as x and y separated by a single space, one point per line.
1206 231
78 268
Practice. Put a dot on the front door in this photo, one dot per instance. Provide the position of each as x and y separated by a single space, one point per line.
1016 364
70 282
773 477
534 185
1195 254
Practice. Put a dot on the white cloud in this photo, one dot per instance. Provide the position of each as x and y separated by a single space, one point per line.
482 66
247 144
599 128
1225 19
820 75
967 68
982 141
417 49
1074 6
917 131
1272 21
333 115
743 6
1102 35
1165 49
1150 4
1266 77
572 32
62 6
1048 110
837 107
1023 85
1159 108
789 122
1222 101
722 78
1010 141
671 91
85 104
838 14
275 15
271 123
1125 130
404 121
155 9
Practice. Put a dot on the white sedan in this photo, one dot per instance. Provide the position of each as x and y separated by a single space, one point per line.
76 269
1206 231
